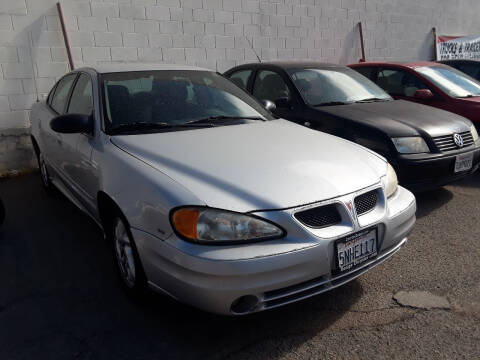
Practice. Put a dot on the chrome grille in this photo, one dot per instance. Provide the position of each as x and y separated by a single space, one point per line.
446 142
320 216
366 202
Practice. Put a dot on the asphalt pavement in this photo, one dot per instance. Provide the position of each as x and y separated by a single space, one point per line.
60 297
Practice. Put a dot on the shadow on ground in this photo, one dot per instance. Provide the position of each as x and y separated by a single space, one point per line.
61 297
472 181
429 201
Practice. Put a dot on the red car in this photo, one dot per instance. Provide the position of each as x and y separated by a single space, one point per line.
427 83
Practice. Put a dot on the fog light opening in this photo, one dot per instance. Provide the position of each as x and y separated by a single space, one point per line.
244 304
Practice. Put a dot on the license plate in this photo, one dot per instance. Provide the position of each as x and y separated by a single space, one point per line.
463 162
356 249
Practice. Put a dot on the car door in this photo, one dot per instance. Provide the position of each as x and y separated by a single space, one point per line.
241 78
271 85
368 71
56 105
77 164
402 84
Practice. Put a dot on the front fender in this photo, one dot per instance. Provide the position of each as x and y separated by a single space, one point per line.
144 194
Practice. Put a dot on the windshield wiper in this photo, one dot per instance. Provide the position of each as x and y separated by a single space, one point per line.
373 99
209 119
140 125
332 103
466 96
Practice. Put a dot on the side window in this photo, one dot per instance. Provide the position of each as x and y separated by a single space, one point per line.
81 101
269 85
368 72
60 97
398 82
240 78
50 94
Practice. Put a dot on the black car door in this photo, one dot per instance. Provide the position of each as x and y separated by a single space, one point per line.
241 78
270 84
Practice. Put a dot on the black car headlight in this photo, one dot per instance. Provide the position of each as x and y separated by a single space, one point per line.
410 145
215 226
474 132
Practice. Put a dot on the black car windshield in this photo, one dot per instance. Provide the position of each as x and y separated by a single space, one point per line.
335 86
452 81
172 100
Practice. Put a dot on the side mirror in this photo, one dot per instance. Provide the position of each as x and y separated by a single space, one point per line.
269 105
72 124
423 94
283 103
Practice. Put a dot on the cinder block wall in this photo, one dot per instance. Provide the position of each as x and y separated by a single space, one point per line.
216 34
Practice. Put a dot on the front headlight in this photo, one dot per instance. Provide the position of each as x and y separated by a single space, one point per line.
474 132
391 181
213 226
410 145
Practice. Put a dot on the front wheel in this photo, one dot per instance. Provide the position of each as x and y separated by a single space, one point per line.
2 212
127 260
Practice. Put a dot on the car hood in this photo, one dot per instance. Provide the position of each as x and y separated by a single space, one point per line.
401 118
258 165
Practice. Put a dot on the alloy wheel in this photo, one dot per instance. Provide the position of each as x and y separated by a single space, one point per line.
124 254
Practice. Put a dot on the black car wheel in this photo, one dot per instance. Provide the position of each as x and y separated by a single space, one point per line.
2 212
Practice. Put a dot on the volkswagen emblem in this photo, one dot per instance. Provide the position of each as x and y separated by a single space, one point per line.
458 140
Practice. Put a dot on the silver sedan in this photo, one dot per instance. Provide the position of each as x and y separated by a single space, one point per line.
209 198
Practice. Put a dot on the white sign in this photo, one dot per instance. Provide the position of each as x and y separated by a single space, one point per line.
458 47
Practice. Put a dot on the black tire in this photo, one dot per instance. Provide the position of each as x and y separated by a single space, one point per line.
2 212
127 260
44 176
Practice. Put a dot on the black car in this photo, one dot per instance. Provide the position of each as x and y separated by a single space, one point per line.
428 147
469 67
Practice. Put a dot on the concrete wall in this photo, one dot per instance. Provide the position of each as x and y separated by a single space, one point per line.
216 34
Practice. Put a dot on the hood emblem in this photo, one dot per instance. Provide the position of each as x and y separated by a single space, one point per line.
458 139
353 215
349 206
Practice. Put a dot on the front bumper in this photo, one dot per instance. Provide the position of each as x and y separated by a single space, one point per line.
420 172
282 271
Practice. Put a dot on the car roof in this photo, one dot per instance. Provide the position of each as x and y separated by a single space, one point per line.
409 64
131 67
291 64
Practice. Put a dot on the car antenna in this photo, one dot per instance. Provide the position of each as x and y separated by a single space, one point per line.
251 45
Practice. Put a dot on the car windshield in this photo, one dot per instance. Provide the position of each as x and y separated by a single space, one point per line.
152 100
450 80
335 86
